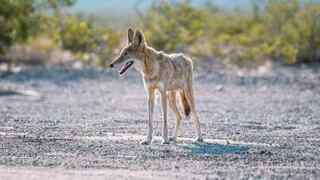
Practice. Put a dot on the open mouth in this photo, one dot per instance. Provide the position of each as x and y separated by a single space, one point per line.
125 67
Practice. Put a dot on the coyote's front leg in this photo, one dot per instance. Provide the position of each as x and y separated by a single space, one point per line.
150 110
164 114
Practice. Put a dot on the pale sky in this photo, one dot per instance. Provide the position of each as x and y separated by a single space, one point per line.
123 6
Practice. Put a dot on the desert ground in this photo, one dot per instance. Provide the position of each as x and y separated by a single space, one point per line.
87 124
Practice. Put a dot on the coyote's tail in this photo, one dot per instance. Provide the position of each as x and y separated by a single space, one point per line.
185 104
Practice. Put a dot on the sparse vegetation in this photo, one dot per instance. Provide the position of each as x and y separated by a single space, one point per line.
287 31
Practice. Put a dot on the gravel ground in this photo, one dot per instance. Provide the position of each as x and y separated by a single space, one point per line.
87 124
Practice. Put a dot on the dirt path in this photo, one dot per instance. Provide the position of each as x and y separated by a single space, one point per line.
89 174
88 124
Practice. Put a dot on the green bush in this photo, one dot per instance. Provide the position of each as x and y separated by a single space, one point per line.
174 27
69 32
286 30
17 20
82 38
77 35
21 19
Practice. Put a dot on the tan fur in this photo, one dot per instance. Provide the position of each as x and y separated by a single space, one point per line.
185 104
169 74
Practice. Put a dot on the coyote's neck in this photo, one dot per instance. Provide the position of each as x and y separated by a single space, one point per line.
151 63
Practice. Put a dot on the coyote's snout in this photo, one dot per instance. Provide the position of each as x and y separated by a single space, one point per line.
169 74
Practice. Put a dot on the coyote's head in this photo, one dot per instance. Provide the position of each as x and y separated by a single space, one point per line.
132 53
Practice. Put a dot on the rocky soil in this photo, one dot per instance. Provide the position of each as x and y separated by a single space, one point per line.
87 124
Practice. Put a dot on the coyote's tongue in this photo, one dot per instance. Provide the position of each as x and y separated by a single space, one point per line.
125 67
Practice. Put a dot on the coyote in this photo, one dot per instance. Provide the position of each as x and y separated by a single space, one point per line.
169 74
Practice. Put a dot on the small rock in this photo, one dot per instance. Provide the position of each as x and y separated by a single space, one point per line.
219 88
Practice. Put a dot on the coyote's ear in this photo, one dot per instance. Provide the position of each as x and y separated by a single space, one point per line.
130 35
138 38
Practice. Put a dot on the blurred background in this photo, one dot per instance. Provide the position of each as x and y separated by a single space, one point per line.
83 33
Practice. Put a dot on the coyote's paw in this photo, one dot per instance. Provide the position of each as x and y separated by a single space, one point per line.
173 139
145 142
198 140
165 142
